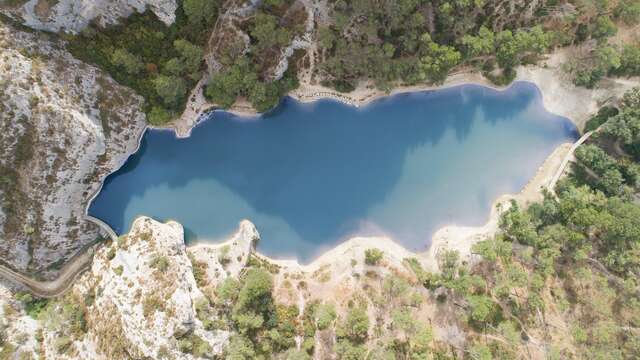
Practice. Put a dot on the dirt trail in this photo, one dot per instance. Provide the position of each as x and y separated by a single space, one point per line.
69 272
56 287
568 157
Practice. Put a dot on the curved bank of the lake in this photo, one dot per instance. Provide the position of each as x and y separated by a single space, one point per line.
312 175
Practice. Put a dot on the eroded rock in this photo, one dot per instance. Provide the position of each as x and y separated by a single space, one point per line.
65 126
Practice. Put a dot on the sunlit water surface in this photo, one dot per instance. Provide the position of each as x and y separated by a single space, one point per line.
311 175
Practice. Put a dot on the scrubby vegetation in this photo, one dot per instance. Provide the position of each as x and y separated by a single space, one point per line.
250 74
262 327
420 41
570 262
594 23
160 63
392 43
373 256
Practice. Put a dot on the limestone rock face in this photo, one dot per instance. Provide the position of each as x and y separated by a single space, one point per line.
141 299
74 15
147 291
65 126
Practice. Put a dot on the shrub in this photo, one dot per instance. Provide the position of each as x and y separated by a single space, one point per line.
161 263
356 325
150 304
33 306
372 256
63 344
223 257
199 271
195 345
111 254
118 270
325 314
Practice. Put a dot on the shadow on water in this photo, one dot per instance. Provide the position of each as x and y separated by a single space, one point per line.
310 174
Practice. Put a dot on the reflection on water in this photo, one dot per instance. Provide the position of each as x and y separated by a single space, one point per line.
309 175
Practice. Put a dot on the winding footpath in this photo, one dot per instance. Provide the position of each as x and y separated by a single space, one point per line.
49 289
568 158
75 266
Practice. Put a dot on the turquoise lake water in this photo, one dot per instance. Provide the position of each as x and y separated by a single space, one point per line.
311 175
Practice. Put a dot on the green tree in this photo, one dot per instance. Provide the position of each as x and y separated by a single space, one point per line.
200 12
373 256
174 66
129 62
480 352
483 44
264 96
268 33
517 225
171 89
420 343
349 351
191 55
604 28
294 354
482 309
355 326
240 348
493 249
325 314
628 11
158 116
630 61
254 302
508 50
436 60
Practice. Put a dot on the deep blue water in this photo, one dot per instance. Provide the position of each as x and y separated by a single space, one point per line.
311 175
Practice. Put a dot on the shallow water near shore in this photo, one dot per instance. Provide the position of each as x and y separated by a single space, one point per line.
312 175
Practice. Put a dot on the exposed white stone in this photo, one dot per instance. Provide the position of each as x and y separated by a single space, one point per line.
83 126
74 15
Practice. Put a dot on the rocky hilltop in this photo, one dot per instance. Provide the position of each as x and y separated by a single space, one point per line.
72 16
139 297
65 126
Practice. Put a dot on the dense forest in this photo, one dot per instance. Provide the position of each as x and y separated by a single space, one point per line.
160 63
417 41
391 42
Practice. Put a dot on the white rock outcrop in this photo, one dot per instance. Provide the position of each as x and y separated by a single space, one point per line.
74 15
143 298
65 126
147 290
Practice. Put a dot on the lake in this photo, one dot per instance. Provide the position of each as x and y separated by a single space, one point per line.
312 175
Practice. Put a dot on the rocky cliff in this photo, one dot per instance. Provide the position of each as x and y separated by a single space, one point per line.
65 126
72 16
140 299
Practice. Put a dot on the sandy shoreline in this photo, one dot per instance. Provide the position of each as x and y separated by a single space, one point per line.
559 95
451 237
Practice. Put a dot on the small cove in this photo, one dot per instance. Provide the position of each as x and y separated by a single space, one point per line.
311 175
